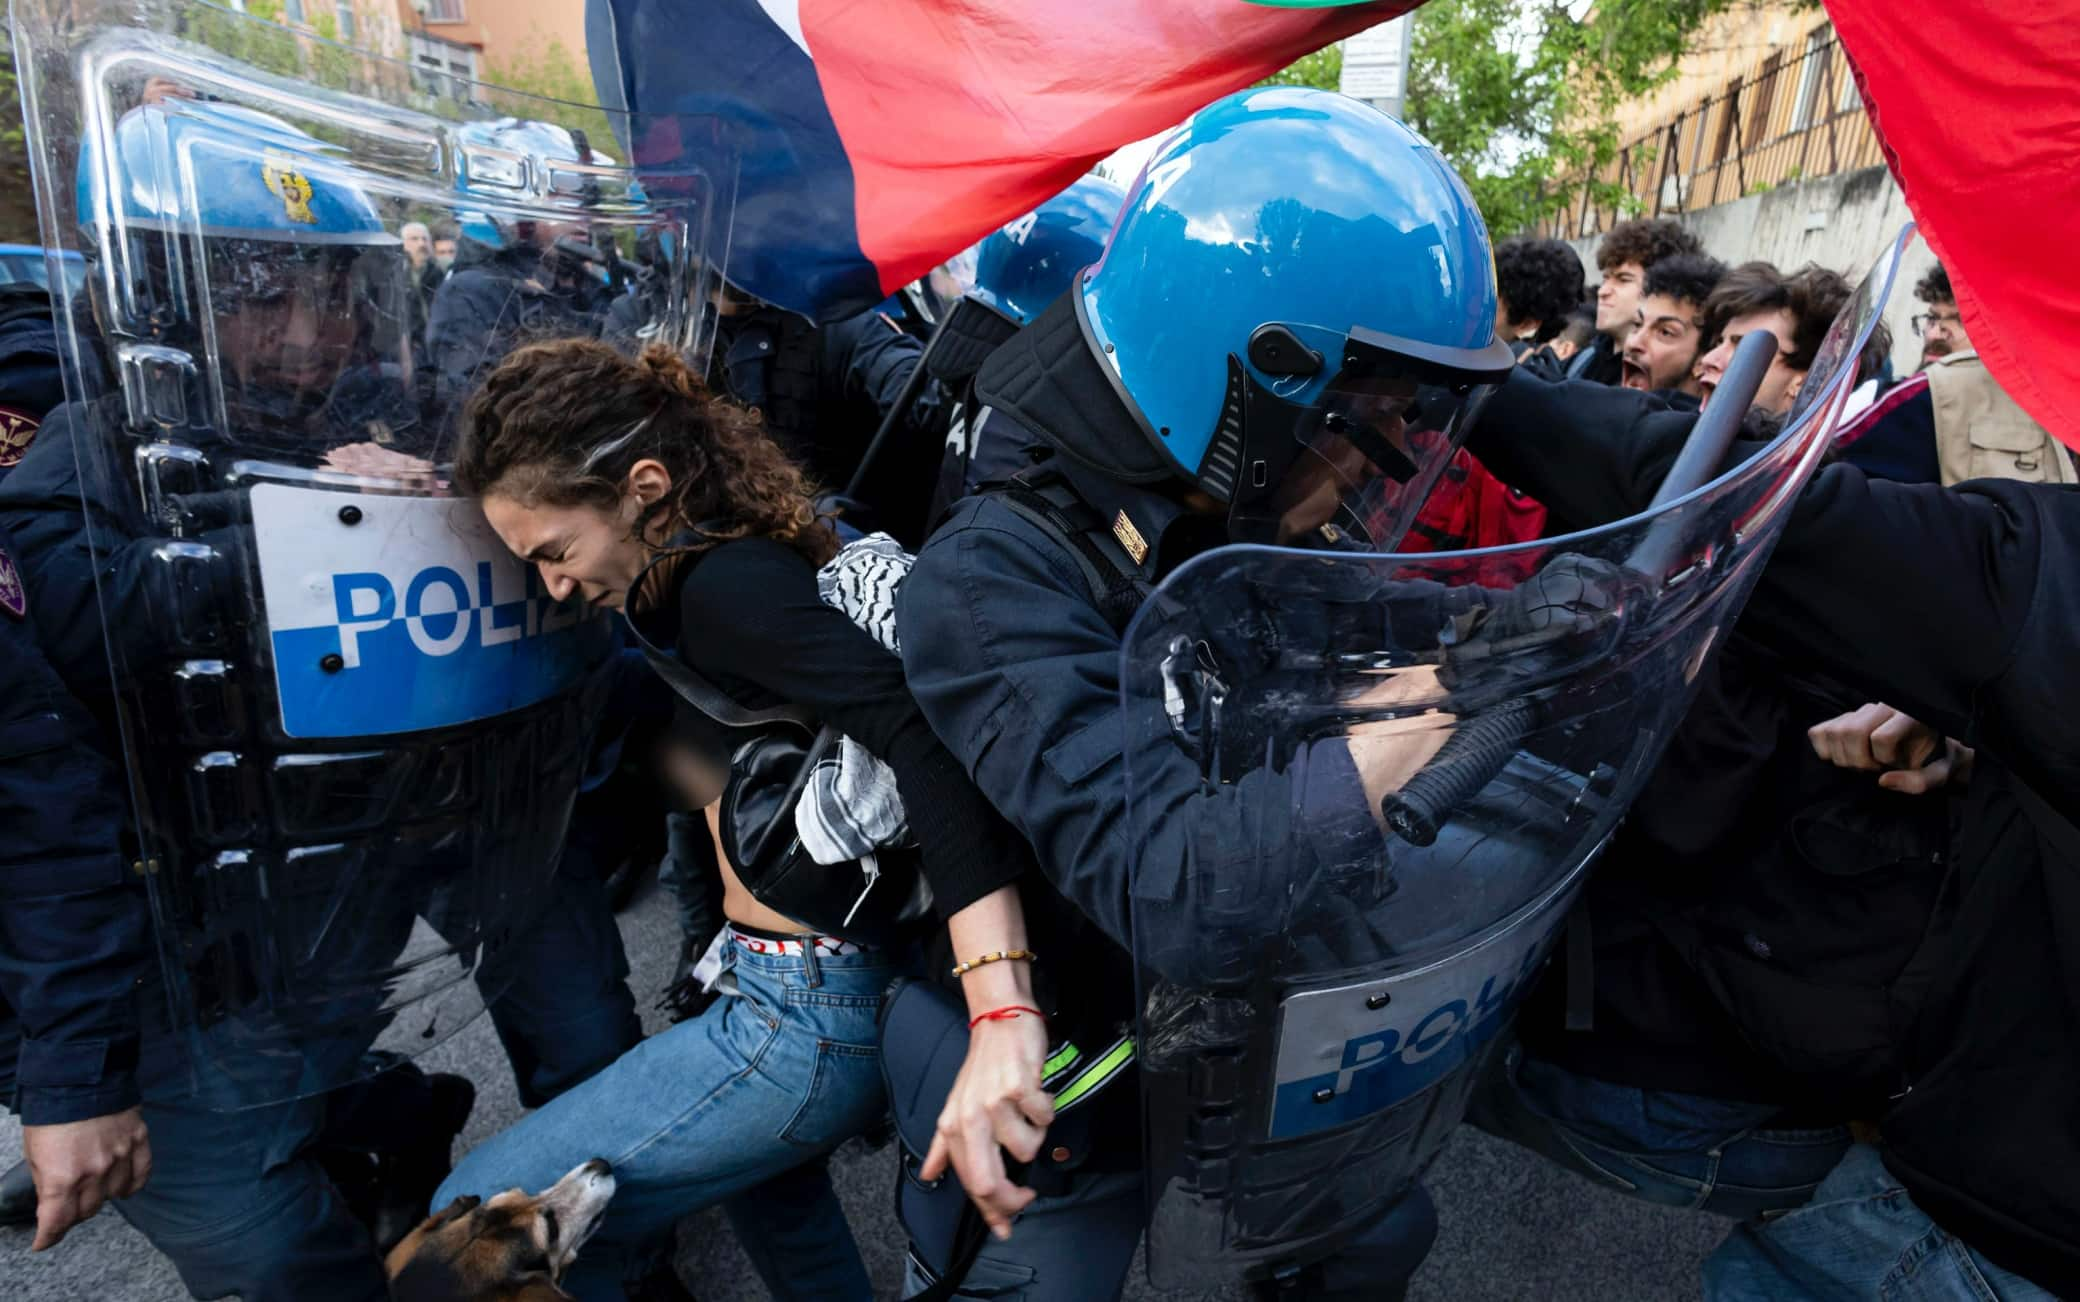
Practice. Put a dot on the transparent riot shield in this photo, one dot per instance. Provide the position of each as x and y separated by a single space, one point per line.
1368 800
353 725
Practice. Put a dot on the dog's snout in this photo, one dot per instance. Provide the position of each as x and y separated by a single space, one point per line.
597 1167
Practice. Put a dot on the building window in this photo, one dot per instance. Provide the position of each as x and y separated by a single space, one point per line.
1761 98
444 11
292 11
1811 72
446 58
344 10
1851 98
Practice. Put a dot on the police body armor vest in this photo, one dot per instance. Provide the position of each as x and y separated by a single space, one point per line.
1982 433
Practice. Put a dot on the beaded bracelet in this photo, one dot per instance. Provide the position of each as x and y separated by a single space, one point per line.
973 963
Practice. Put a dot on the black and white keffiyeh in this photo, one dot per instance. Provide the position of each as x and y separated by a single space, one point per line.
850 807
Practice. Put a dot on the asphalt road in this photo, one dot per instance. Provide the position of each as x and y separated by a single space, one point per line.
1512 1226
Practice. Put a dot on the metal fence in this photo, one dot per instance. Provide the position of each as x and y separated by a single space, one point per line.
1784 120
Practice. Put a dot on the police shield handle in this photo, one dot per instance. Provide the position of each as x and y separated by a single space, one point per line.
1476 753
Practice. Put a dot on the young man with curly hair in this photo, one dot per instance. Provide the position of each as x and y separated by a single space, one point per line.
1624 257
1668 329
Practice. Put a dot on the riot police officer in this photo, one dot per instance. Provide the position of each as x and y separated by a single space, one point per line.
515 277
1239 367
1019 270
233 1066
825 389
73 945
32 383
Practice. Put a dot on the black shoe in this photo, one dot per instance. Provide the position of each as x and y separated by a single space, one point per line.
17 1198
405 1181
684 999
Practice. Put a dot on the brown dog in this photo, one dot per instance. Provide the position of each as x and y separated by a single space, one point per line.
513 1248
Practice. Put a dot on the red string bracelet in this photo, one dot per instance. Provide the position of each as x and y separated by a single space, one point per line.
1004 1014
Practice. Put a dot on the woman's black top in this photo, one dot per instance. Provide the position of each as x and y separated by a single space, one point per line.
749 618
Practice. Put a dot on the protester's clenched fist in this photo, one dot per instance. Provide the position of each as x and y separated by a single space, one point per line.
1909 756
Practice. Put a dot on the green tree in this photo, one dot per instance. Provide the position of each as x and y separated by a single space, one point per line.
1520 95
548 68
17 203
1322 70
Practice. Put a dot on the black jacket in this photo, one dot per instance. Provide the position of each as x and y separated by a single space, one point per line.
1016 664
1961 607
1599 363
1757 916
824 391
74 937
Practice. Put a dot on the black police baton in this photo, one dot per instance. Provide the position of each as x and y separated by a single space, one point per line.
1476 752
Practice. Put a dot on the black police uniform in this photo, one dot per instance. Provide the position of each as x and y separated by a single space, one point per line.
824 390
494 303
1011 636
74 930
1961 607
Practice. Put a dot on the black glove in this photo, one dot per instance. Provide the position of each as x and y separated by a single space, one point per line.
1572 598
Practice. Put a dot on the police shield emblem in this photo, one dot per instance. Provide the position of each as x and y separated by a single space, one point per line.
1387 791
353 724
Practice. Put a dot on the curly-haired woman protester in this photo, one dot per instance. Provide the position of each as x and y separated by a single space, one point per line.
631 487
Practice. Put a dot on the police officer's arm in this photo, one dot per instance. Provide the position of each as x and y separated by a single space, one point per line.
1019 674
79 553
877 360
73 946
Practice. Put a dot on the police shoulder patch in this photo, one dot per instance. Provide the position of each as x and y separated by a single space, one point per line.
17 431
13 599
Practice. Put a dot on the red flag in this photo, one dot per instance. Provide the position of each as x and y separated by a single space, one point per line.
879 137
1978 107
959 115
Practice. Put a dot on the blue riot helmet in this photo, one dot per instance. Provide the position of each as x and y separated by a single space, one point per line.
1298 306
231 234
495 163
1028 263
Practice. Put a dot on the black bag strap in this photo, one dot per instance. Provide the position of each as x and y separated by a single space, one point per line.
691 686
1044 498
974 1233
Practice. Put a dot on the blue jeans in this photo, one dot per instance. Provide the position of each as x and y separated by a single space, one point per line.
1860 1237
1679 1150
762 1085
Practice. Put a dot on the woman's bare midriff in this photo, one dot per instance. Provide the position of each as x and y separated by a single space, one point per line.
738 904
